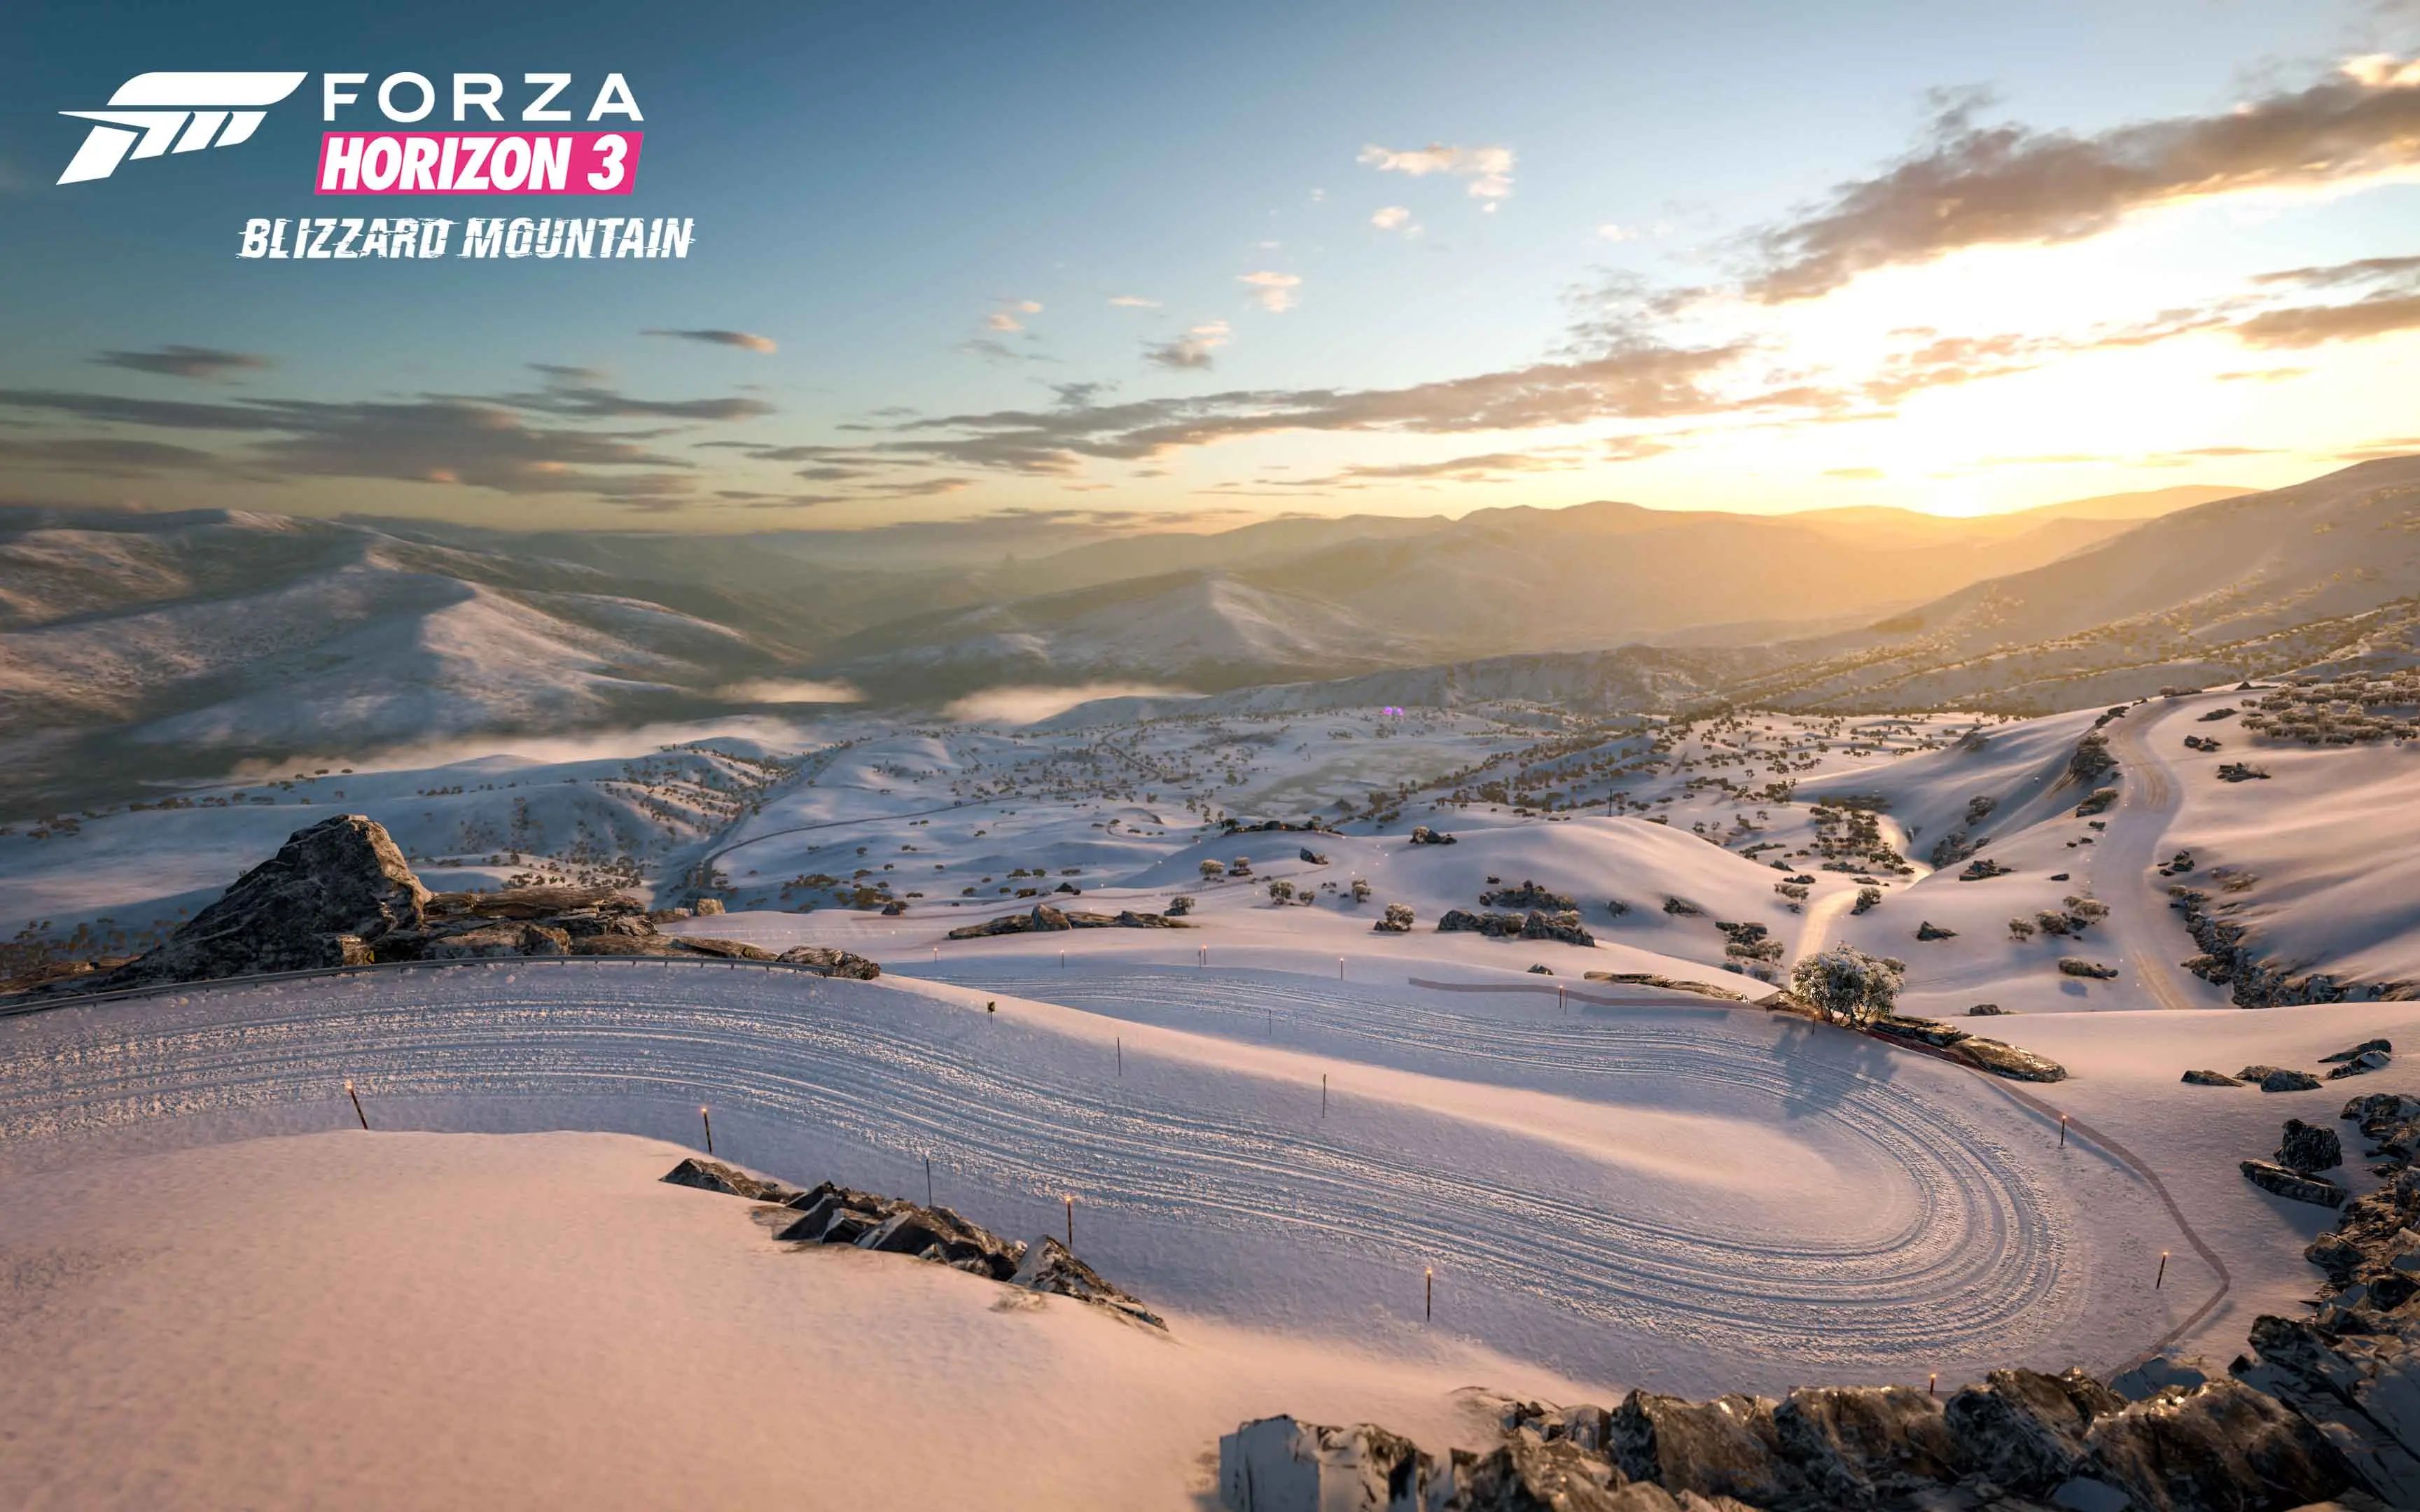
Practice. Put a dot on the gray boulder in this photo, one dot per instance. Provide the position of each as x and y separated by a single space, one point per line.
2287 1183
1276 1464
2360 1065
1856 1444
826 960
1725 1447
2309 1148
714 1175
2385 1046
2211 1078
2026 1430
1048 1266
2224 1445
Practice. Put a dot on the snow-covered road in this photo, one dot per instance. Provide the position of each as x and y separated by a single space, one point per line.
2145 928
1686 1198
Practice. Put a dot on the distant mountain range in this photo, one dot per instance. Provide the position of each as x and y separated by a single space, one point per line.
139 647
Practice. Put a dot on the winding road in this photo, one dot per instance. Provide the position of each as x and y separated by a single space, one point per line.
2125 862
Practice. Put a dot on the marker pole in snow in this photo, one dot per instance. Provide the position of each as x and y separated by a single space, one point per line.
928 1180
356 1105
1427 1295
708 1119
1933 1387
1340 968
1071 1223
1323 1094
2158 1280
1122 1057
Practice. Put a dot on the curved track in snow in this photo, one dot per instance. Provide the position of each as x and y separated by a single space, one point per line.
1923 1238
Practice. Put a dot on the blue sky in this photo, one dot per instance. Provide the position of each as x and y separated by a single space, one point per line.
882 192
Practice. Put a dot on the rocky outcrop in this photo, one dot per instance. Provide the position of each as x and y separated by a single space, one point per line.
1045 918
2287 1183
2279 1079
2308 1147
2232 958
328 898
1424 835
2211 1078
1537 924
2076 966
1669 985
1997 1056
2021 1441
834 1214
825 960
340 894
1527 896
1928 930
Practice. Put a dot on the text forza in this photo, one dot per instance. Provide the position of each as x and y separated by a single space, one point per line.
344 236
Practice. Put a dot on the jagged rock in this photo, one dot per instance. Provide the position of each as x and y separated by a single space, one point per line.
1527 896
2356 1052
2279 1079
489 941
707 945
714 1175
1725 1447
707 907
2308 1147
1424 835
2024 1430
2224 1445
2361 1065
2286 1182
1048 1266
1542 971
1276 1464
327 898
2211 1078
2075 965
1682 908
1047 920
1923 1032
1928 930
1526 1472
2360 1392
1311 856
1537 924
826 960
1985 1011
2003 1059
1983 868
1853 1444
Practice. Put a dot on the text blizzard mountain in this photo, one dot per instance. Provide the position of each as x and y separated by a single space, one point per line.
566 237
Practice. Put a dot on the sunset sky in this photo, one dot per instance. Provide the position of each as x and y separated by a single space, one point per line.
957 259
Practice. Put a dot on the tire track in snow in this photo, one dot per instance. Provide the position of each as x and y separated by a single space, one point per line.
1952 1248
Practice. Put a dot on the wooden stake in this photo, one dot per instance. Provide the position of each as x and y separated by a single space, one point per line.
1323 1094
1428 1297
709 1117
2062 1131
1933 1387
2159 1280
1121 1056
928 1180
1071 1225
356 1105
1340 968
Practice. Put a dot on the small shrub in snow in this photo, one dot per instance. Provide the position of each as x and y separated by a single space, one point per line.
1868 898
1240 867
1213 871
1848 986
1179 906
1280 891
2021 929
1398 920
2075 965
1361 890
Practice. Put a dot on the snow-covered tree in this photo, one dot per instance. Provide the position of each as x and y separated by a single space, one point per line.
1848 986
1213 871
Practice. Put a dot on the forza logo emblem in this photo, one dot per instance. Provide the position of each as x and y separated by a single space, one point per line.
173 113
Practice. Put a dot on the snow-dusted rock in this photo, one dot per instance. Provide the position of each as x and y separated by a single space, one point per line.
2308 1147
1278 1464
2026 1430
2286 1183
1853 1444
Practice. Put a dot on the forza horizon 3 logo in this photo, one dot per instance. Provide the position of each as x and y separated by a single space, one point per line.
154 114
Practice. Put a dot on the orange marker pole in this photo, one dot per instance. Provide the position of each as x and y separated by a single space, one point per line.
356 1105
1428 1301
1071 1225
2062 1131
2158 1280
708 1119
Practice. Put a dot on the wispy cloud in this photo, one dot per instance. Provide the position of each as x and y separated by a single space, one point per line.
1191 351
1393 218
745 341
177 361
1969 184
1488 168
1005 318
1273 292
1133 301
